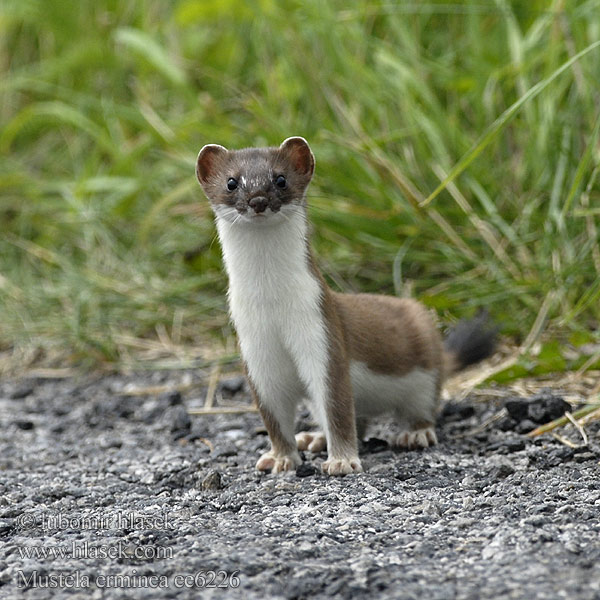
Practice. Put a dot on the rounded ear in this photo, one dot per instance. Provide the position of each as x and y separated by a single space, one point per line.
208 159
297 151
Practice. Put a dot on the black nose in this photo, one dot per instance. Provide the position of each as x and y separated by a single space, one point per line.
258 203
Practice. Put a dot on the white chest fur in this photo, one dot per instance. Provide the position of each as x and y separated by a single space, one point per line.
275 304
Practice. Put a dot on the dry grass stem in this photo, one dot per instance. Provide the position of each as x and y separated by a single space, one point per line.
578 426
578 414
213 380
565 441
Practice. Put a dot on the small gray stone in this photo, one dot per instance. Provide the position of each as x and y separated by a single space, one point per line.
502 471
21 391
233 385
525 426
178 419
212 481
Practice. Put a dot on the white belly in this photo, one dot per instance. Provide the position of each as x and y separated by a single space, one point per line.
412 396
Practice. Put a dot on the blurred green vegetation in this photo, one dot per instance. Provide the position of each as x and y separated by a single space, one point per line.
107 246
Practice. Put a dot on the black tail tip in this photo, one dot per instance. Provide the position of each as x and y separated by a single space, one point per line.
472 340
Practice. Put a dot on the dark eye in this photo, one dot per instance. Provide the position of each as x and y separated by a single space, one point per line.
232 184
280 181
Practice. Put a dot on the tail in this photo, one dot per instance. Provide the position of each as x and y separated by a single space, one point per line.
470 341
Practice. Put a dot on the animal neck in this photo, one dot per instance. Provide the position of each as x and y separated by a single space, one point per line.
266 259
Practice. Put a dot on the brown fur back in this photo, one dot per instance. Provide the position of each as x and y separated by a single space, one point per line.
391 335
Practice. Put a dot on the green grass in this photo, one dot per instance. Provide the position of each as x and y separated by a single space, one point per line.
457 149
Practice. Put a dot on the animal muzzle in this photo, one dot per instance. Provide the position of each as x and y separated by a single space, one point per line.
259 204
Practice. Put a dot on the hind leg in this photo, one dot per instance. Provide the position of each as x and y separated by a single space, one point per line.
417 435
313 441
417 414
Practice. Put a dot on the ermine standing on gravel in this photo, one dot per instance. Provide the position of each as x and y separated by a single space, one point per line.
353 356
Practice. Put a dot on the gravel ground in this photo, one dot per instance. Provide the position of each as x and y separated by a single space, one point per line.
104 495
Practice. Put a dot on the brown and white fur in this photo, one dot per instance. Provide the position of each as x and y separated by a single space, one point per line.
352 356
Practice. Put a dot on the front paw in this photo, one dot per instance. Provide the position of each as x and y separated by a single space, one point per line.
277 464
342 466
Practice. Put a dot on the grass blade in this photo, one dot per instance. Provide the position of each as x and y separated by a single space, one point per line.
141 44
581 168
501 121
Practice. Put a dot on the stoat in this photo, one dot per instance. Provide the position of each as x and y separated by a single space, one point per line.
353 356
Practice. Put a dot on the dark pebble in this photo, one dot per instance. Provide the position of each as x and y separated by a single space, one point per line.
547 459
525 415
564 454
403 475
501 472
454 411
514 445
170 398
506 424
374 445
6 527
21 391
305 469
517 408
180 420
547 408
232 385
506 446
212 482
